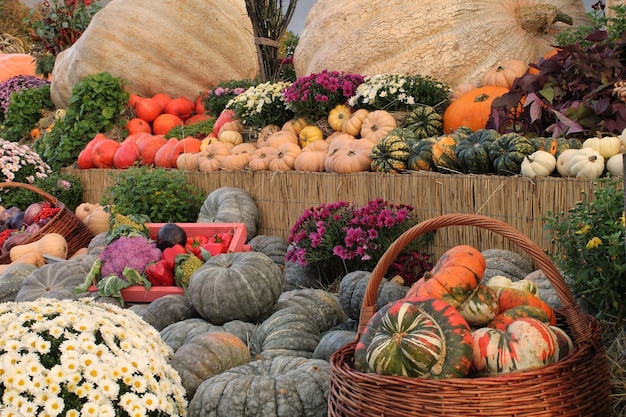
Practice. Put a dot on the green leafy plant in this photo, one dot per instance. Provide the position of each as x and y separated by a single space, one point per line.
97 105
66 187
160 194
590 250
198 130
57 25
25 109
614 25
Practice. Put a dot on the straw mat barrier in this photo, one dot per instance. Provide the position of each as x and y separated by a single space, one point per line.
282 197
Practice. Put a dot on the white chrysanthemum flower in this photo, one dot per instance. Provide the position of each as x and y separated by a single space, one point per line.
54 406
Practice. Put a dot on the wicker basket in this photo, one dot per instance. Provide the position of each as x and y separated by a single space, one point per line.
578 385
64 223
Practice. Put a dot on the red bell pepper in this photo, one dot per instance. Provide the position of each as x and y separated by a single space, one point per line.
214 248
169 255
195 243
160 274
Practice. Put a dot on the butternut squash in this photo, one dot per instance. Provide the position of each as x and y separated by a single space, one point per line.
469 36
31 258
53 244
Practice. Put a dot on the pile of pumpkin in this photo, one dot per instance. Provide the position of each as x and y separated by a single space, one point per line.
451 324
350 140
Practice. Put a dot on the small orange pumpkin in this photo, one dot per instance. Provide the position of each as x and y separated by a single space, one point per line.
504 74
472 109
260 159
284 159
295 125
353 125
377 124
353 156
188 161
211 157
278 138
235 161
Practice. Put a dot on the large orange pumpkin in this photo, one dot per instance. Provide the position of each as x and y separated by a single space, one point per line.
16 64
472 109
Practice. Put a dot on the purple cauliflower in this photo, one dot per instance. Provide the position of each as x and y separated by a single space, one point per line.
17 83
128 252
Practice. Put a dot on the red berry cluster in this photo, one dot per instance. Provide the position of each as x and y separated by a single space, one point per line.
47 212
4 235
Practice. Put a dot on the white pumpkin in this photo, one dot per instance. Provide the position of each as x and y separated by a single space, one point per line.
177 47
538 164
607 146
563 162
615 165
586 163
453 41
500 281
622 138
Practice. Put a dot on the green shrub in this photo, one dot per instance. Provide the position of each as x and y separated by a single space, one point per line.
160 194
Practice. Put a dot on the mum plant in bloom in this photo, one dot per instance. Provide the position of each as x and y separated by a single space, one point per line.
590 250
216 99
314 95
18 163
394 92
339 238
84 358
261 105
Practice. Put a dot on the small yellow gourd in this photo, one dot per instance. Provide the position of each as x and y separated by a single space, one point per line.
53 244
309 135
338 116
230 136
538 164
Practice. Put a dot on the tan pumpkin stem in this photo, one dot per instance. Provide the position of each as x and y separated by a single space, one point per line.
538 19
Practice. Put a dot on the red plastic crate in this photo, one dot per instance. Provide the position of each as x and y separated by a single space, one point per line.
209 229
138 293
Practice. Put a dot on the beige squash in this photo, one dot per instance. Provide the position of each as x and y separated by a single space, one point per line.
454 41
176 47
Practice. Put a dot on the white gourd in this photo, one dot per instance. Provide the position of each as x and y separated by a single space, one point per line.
607 146
615 165
454 41
538 164
563 162
177 47
586 163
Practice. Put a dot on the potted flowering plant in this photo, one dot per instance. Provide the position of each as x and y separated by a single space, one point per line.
18 163
216 99
84 358
314 95
261 105
338 238
590 250
394 92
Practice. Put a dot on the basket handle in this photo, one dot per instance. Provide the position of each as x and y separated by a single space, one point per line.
576 319
48 197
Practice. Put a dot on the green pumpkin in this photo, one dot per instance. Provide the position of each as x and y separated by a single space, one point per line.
509 152
424 121
556 146
472 153
392 152
421 157
444 151
419 337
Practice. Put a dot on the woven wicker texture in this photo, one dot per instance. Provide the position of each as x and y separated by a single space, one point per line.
64 223
576 386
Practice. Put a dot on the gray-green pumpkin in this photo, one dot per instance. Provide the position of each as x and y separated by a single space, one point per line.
11 280
321 305
168 309
279 387
230 205
236 286
177 334
55 280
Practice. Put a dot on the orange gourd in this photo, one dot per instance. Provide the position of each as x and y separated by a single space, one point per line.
148 147
377 124
260 159
16 64
459 90
188 161
295 126
454 277
338 116
353 156
235 162
211 157
512 297
353 125
164 156
472 109
504 74
278 138
285 157
310 160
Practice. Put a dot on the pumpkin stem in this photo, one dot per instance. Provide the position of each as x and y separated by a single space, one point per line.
538 19
428 275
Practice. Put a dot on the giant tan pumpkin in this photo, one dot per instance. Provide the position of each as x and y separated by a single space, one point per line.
454 41
177 47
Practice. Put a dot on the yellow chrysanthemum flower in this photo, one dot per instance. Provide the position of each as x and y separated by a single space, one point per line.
594 242
584 230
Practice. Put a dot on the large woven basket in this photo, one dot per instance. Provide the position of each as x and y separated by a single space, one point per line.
64 223
578 385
